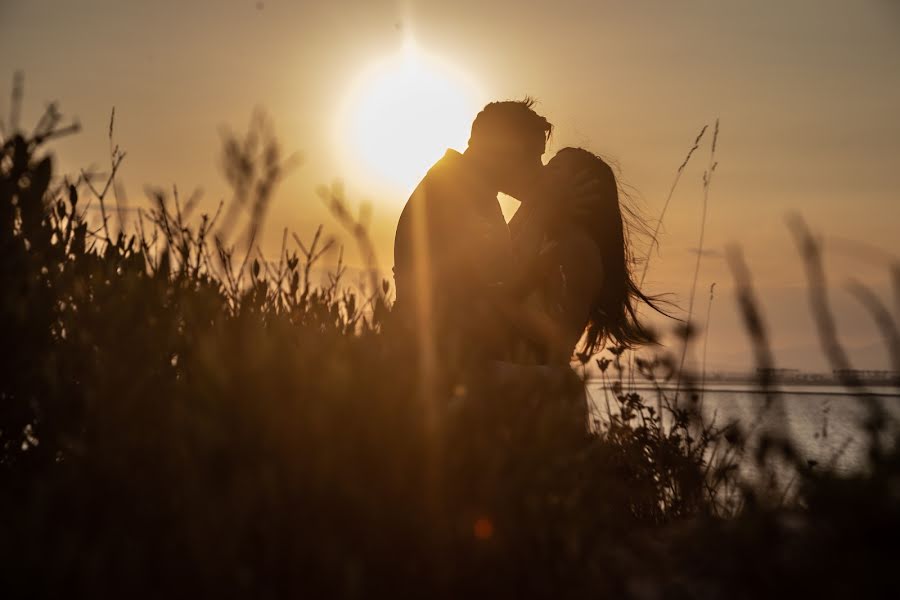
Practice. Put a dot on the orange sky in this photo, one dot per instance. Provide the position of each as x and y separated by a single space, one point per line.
807 93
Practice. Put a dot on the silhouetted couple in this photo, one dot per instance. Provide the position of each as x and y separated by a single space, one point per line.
477 291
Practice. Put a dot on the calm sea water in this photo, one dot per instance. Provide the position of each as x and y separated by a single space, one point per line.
824 422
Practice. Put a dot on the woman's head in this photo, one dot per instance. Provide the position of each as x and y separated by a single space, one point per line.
607 221
571 165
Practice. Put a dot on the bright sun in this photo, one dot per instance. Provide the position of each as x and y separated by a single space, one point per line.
400 117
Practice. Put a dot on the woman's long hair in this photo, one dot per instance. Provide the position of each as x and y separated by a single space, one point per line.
612 317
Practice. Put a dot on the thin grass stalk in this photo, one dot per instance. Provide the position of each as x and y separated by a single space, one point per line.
712 289
883 319
748 306
707 180
826 327
895 284
654 238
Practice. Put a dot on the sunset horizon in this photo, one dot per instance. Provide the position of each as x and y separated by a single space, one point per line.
408 298
794 138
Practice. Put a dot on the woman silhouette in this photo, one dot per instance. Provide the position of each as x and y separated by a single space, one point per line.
587 294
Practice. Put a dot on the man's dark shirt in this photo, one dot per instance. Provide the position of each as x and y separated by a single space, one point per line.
452 252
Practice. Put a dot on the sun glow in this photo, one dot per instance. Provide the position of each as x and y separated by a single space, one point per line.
400 117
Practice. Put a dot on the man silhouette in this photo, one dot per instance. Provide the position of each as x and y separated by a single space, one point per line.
455 267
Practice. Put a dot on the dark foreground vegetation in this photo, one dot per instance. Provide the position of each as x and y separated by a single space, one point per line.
179 417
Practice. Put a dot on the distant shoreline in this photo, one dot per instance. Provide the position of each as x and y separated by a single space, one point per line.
753 387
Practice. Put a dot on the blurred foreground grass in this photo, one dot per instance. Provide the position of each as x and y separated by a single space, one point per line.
181 417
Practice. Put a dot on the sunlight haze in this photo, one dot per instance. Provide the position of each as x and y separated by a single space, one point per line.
400 116
806 92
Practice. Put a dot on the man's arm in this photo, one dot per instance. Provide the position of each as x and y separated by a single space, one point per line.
518 220
527 230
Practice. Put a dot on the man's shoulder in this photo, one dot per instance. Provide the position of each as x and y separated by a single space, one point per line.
446 173
445 180
451 162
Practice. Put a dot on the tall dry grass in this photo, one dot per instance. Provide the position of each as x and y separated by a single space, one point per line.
180 416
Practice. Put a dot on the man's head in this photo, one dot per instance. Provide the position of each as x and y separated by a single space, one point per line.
508 139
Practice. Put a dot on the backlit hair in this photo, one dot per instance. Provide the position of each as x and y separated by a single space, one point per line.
509 119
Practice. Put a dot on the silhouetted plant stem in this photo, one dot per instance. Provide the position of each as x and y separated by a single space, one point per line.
826 327
882 317
654 237
712 288
895 285
707 180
